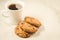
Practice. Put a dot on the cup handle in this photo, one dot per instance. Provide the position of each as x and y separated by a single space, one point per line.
5 14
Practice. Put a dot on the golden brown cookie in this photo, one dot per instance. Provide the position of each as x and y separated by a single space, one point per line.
28 27
21 33
32 21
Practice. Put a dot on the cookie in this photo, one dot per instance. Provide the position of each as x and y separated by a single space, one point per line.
28 27
21 33
32 21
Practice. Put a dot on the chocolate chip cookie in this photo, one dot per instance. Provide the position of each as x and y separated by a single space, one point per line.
21 33
27 27
32 21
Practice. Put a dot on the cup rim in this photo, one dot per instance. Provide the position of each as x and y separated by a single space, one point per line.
18 2
15 4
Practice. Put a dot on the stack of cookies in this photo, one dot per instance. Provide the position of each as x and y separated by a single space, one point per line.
27 27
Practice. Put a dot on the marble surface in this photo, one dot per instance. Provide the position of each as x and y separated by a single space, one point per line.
48 11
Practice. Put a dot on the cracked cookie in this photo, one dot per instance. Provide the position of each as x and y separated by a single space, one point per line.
32 21
21 33
27 27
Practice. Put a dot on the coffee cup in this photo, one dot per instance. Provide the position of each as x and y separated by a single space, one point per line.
12 13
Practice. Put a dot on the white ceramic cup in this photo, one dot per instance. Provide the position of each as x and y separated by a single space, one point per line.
12 16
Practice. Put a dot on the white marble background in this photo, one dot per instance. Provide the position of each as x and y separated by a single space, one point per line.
53 4
51 21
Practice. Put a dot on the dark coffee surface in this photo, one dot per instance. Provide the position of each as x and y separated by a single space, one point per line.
12 7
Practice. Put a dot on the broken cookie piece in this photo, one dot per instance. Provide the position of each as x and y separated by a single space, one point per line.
32 21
